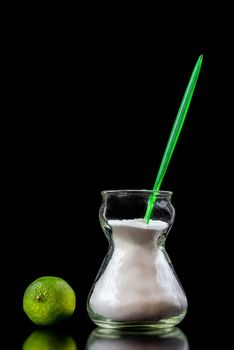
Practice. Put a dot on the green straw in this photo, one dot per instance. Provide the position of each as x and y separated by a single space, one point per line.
175 133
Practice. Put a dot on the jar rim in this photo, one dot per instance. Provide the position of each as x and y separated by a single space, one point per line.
144 191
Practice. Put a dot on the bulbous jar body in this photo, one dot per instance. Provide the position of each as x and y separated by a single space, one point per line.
136 285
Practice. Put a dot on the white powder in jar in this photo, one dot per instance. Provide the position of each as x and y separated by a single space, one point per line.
138 283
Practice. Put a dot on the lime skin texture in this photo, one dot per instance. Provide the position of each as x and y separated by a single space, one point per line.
49 300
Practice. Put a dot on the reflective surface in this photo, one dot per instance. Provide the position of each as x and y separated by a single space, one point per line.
105 339
49 340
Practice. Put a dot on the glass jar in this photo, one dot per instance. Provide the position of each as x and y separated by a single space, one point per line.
136 285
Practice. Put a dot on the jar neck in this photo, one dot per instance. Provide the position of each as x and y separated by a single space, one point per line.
132 204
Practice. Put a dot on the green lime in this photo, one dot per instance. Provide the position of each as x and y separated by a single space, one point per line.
49 300
45 340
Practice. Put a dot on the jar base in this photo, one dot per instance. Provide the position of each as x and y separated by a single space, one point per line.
162 324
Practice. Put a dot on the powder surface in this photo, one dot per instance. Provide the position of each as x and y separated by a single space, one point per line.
140 223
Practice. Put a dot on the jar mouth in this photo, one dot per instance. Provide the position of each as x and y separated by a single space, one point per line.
141 191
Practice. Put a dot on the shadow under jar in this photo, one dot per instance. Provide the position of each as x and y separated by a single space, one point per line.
136 285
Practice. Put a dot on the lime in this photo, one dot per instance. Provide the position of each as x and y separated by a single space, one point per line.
48 300
45 340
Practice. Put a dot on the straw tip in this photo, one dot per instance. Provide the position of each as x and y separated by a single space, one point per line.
200 58
198 64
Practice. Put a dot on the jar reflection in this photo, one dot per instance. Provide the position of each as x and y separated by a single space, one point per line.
107 339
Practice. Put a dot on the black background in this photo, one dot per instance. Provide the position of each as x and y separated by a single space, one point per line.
90 110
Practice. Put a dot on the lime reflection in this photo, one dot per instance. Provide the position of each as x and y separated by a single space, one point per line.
49 340
106 339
